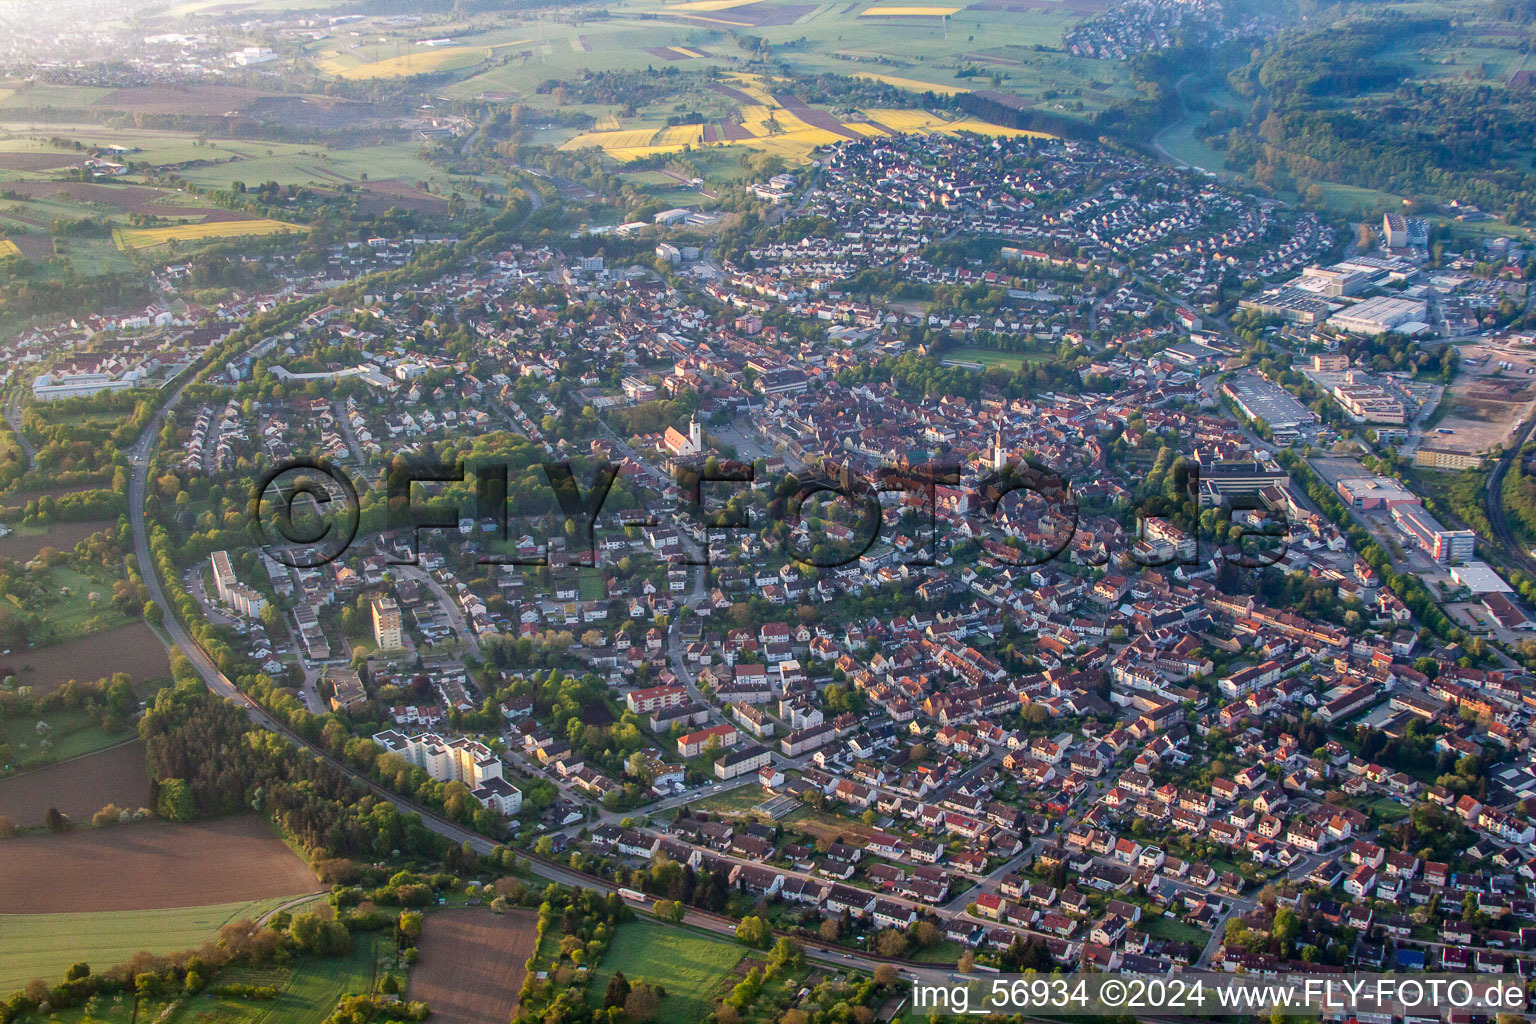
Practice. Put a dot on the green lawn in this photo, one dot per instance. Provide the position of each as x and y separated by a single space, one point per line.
592 588
74 613
309 991
946 952
688 965
70 734
44 945
737 801
1178 931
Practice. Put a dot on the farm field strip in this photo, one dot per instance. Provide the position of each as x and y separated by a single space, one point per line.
909 12
150 866
43 945
911 84
774 128
144 238
418 62
472 964
81 784
708 5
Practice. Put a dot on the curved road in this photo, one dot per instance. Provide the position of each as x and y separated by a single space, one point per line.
1503 537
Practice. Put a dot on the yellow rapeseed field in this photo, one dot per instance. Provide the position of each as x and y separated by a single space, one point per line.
908 12
774 129
143 238
708 5
417 62
754 86
8 248
905 120
679 135
911 84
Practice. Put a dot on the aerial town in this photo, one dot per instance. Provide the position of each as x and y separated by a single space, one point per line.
972 547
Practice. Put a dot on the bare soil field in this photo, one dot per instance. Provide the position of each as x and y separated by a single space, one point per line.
190 99
78 787
150 865
34 246
472 964
126 198
133 648
37 161
381 195
204 215
118 197
1486 401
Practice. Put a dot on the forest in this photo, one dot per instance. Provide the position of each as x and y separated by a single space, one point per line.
1328 107
206 759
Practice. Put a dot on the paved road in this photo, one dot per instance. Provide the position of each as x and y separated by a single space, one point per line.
13 417
450 605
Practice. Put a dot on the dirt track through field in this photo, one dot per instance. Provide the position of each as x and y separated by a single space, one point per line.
472 964
149 865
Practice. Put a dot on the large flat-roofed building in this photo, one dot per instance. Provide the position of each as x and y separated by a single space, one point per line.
1480 578
1335 282
1370 403
50 386
1237 478
1262 401
346 688
1439 543
223 574
1399 231
746 760
1330 362
1432 457
1379 315
1372 492
243 599
1294 304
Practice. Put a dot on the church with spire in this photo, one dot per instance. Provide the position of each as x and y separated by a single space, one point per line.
682 446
